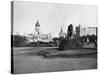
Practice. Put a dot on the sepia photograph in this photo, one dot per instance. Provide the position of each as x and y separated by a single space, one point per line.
52 37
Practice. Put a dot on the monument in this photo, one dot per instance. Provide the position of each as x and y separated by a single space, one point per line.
69 42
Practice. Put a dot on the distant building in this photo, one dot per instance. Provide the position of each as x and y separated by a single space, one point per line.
37 32
61 34
30 37
38 36
78 31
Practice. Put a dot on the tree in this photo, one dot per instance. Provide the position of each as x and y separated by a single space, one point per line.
56 40
19 40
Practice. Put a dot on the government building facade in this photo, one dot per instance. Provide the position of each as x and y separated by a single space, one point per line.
38 36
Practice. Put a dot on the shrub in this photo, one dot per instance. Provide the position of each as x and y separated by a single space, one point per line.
66 44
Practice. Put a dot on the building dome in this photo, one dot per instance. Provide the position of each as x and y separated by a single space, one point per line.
37 24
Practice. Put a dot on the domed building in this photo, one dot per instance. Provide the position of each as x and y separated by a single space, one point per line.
38 36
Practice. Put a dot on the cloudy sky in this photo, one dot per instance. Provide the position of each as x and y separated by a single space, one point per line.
51 16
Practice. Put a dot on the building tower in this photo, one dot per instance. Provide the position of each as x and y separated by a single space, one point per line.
61 34
37 30
78 31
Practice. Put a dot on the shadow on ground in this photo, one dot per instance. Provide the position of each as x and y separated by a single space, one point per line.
47 53
75 53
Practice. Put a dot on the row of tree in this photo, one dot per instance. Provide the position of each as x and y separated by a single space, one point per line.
22 41
18 41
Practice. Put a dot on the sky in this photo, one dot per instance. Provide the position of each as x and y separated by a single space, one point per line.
51 16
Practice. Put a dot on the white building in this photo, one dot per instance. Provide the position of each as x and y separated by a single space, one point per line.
38 36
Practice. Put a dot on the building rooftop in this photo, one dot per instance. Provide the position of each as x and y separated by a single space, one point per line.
37 24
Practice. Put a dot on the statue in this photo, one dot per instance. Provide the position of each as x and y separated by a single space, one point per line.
70 31
68 43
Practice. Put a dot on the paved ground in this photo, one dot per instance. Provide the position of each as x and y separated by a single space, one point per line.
26 60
